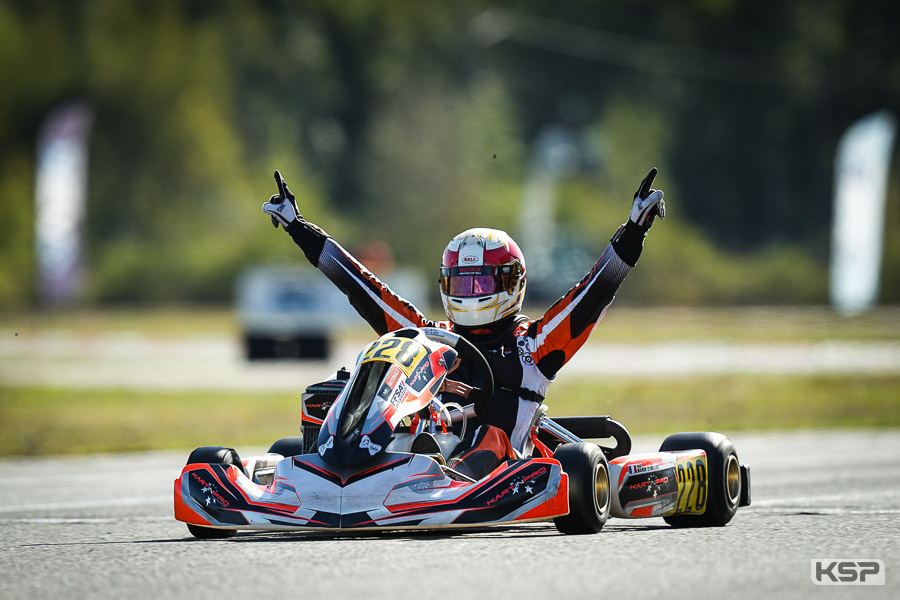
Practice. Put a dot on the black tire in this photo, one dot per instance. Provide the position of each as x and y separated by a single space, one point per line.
210 533
289 446
260 347
589 489
313 347
213 455
257 347
724 484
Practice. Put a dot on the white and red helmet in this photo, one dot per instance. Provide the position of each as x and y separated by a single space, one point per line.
482 277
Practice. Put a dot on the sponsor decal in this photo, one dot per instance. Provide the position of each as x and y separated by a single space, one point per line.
373 448
651 484
210 490
398 395
317 409
322 405
519 485
328 444
469 259
392 377
639 468
838 571
657 487
470 270
421 376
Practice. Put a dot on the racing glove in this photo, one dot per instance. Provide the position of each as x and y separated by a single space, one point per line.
281 206
647 205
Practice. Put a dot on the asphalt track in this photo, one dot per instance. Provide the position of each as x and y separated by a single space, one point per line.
102 527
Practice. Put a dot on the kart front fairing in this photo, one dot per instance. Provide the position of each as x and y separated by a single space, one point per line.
354 481
395 376
394 490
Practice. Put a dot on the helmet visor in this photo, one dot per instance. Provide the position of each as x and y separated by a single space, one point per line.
468 282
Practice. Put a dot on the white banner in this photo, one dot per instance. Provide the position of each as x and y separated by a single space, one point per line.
60 190
860 190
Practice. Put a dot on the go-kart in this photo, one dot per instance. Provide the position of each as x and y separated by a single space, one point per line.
377 447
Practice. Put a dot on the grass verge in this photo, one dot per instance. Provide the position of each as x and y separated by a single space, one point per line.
623 323
737 402
39 421
42 421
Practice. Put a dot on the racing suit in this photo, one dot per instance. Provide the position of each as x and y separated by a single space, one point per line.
524 354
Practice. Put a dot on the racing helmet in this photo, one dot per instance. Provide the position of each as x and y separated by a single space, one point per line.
482 277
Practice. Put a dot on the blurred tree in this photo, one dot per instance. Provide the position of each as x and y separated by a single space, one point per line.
408 121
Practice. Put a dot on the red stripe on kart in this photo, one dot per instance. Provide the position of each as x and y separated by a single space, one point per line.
644 511
208 468
319 469
476 488
360 475
555 507
497 480
183 512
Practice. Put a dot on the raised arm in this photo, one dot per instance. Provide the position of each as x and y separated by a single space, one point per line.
382 309
566 326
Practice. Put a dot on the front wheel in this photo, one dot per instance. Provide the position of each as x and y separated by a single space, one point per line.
589 491
213 455
724 477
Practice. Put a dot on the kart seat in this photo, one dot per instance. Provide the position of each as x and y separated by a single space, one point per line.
424 443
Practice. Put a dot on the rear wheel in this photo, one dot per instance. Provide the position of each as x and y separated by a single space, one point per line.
213 455
289 446
589 491
724 477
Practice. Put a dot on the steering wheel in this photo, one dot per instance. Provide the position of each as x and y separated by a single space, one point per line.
467 351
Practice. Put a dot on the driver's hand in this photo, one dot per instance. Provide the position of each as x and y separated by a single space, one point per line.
281 206
456 387
648 203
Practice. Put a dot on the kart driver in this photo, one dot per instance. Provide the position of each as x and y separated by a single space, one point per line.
482 279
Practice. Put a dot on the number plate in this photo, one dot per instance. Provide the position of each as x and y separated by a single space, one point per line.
692 476
404 353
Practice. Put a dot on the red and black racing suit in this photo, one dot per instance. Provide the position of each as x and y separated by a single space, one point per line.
524 354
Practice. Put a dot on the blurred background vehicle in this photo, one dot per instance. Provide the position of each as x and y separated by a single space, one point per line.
295 312
287 313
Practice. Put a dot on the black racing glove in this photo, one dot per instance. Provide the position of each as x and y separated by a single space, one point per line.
281 206
647 205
